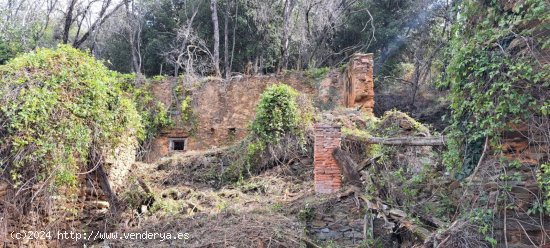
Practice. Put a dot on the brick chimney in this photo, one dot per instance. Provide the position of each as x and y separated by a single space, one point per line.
327 173
359 83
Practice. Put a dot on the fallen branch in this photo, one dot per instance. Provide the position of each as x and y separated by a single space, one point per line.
400 141
366 162
398 216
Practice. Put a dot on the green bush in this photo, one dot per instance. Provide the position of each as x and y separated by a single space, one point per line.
58 108
277 115
8 50
279 124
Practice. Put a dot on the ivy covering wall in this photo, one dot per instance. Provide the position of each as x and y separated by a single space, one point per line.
59 107
499 75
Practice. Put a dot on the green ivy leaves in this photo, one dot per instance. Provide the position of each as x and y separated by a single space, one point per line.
492 85
55 105
276 114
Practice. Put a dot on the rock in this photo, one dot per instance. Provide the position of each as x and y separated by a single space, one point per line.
143 208
99 211
3 186
331 235
307 161
353 234
325 230
318 223
345 229
491 186
328 219
98 204
397 213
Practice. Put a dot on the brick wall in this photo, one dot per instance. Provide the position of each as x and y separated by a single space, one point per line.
224 109
326 171
359 86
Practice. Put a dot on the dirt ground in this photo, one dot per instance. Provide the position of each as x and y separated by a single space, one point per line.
261 211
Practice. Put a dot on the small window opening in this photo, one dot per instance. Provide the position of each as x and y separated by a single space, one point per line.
177 144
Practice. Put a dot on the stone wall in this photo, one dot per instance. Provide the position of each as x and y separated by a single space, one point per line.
222 110
512 223
327 173
119 161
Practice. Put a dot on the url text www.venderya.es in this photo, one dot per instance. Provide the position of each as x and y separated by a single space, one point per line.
95 235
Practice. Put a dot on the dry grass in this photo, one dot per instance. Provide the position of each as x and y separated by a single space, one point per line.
250 213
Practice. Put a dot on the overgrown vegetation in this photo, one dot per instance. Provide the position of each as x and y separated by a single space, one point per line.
543 178
279 121
496 78
188 117
401 176
278 115
61 110
153 114
278 134
315 75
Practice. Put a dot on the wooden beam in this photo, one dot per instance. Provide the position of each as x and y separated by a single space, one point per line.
401 141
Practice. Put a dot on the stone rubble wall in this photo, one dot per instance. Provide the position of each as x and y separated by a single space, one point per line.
118 163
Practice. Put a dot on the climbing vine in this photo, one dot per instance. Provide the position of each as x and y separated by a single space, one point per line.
543 178
277 115
58 107
279 124
496 75
153 114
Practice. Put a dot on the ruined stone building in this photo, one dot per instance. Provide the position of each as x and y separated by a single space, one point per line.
222 111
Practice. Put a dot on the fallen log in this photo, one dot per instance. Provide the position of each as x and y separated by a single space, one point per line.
400 141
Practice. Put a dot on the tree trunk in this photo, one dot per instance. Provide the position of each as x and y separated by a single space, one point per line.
68 21
102 17
227 69
287 12
132 38
234 33
405 141
216 55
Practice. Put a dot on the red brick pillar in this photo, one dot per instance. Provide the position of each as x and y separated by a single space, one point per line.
326 171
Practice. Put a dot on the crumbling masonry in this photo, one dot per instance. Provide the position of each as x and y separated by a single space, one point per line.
223 110
327 173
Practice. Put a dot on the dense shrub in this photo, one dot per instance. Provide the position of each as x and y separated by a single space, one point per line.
278 132
277 115
59 109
